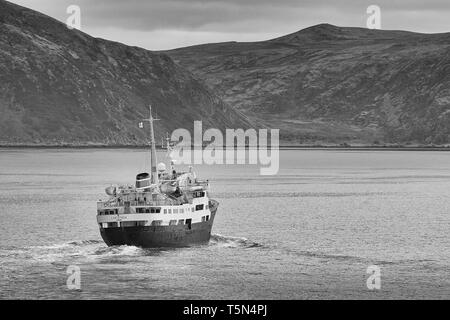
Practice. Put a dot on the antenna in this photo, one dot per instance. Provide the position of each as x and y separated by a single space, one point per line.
153 159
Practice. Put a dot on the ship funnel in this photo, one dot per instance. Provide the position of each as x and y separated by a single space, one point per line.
143 180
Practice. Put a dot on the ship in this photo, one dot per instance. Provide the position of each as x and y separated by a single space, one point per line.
164 208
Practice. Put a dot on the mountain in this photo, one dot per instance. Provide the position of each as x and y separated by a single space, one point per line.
61 86
329 84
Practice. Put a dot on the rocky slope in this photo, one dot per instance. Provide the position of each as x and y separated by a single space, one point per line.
333 85
61 86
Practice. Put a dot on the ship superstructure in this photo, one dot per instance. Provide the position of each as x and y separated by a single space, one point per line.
164 208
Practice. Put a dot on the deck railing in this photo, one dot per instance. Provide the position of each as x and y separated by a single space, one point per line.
153 203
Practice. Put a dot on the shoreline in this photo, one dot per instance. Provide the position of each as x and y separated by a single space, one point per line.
281 147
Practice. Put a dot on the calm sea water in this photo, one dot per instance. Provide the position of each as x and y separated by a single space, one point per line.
309 232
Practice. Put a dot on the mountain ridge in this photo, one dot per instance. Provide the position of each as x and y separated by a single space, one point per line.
64 87
319 85
331 84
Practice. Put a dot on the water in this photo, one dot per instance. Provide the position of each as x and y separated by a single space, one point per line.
310 232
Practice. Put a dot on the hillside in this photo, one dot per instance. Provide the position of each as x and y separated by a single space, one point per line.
61 86
328 84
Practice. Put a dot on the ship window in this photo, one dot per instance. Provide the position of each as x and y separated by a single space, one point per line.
165 210
203 219
181 210
189 223
173 223
207 218
157 210
152 210
147 210
181 221
156 222
170 210
112 224
199 194
133 223
192 209
199 207
175 210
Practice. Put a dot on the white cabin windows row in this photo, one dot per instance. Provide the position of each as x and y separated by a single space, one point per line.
132 223
148 210
173 222
178 210
198 207
108 212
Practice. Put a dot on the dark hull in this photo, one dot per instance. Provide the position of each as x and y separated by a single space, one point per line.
160 236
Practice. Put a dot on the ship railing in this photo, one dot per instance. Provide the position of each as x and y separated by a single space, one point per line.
121 203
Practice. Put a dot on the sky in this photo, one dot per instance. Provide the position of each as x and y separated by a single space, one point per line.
168 24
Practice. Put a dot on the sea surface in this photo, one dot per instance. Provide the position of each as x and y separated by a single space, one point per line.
309 232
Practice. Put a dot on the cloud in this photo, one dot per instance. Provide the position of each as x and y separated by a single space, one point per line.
145 21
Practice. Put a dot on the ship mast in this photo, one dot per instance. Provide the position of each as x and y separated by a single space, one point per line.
153 159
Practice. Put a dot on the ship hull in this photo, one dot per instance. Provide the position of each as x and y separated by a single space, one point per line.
160 236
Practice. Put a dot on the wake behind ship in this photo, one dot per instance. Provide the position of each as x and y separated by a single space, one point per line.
164 209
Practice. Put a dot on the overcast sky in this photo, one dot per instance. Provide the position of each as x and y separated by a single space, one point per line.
166 24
